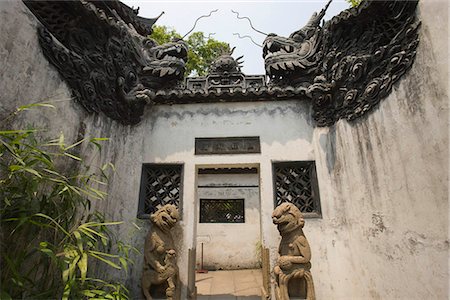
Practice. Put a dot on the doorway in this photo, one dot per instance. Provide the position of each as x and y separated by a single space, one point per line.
228 260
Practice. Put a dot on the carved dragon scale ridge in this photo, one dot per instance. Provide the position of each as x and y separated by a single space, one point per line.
102 51
350 63
345 67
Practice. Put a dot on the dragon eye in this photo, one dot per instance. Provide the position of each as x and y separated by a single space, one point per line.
149 43
131 78
298 36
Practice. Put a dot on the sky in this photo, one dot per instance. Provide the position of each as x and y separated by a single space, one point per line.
280 17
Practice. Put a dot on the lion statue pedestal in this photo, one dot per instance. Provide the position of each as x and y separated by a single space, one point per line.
160 275
292 271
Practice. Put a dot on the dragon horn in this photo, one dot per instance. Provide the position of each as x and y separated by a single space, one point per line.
322 12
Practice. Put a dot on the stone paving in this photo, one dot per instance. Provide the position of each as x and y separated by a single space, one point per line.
229 285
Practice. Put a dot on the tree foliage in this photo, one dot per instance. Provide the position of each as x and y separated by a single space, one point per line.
50 238
354 3
202 50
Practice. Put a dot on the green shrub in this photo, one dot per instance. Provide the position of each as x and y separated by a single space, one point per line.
51 241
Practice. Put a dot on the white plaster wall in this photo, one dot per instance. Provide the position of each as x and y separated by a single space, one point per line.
230 245
27 77
285 132
384 186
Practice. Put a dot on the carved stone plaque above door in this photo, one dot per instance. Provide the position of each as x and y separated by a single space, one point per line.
227 145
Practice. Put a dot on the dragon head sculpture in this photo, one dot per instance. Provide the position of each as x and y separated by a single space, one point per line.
292 60
103 52
347 65
226 64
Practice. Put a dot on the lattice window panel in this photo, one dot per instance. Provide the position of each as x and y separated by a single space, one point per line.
296 182
160 185
222 211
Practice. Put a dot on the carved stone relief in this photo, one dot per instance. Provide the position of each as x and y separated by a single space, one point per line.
345 67
351 62
292 271
102 51
160 275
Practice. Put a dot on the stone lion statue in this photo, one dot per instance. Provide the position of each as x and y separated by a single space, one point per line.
160 267
292 271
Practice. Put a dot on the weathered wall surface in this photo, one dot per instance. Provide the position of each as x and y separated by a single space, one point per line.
27 77
384 186
383 179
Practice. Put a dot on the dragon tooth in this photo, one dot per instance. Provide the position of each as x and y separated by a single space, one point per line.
269 44
178 50
290 65
283 66
298 64
164 72
171 71
275 66
156 72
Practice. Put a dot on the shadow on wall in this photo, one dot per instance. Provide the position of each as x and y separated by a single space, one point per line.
328 144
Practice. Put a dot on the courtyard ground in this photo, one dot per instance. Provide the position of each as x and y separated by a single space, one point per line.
229 285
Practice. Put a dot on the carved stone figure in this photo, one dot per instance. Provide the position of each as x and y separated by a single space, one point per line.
160 267
226 64
292 271
351 62
102 51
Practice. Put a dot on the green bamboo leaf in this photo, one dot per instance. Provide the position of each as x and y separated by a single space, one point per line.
93 232
98 139
61 141
7 132
124 263
103 253
79 240
63 190
32 171
87 233
14 168
107 223
95 142
67 290
73 265
65 275
100 194
28 106
54 222
54 173
74 189
72 156
12 152
111 165
99 182
97 292
75 144
88 293
83 266
112 264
